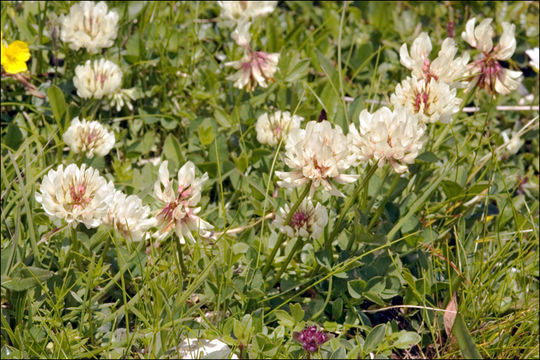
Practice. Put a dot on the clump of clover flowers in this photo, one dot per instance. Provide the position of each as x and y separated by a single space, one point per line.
311 338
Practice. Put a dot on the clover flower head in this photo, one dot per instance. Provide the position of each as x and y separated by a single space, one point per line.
89 25
14 56
444 68
97 79
127 215
486 71
191 348
307 221
319 154
394 136
431 100
89 137
179 209
256 67
311 338
242 11
75 195
271 128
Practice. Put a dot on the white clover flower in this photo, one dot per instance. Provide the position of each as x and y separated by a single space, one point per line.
243 11
445 67
513 144
90 26
256 67
307 221
318 154
97 79
201 349
431 100
271 128
485 71
120 99
240 14
89 137
396 136
180 209
128 216
75 195
534 55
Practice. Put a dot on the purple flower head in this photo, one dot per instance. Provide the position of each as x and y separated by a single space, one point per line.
311 338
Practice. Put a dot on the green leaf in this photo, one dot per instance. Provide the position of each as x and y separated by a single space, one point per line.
451 189
173 151
326 65
240 248
26 278
406 339
133 53
299 71
464 339
374 338
57 101
241 162
337 308
297 312
14 137
284 318
356 288
147 142
222 118
428 157
380 16
323 258
206 133
372 296
410 224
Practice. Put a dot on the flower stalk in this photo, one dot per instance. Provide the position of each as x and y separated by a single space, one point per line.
281 236
180 256
74 248
297 246
383 203
350 200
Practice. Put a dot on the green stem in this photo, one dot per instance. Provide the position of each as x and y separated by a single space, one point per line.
297 245
326 301
106 248
89 304
350 201
337 225
281 237
383 203
75 247
180 256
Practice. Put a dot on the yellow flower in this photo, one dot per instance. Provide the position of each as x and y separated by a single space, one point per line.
15 56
